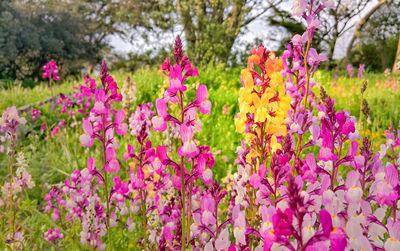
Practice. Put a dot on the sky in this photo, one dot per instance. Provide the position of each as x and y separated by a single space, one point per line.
256 29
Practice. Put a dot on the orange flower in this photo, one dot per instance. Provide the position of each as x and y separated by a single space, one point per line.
273 65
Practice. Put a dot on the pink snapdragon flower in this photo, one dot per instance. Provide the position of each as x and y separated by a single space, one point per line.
53 234
350 70
188 148
207 209
112 162
87 138
35 113
51 70
298 7
10 120
176 82
55 131
282 222
202 100
159 122
361 70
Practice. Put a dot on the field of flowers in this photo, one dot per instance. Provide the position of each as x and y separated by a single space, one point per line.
276 156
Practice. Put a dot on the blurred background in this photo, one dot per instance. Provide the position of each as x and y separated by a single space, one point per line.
132 34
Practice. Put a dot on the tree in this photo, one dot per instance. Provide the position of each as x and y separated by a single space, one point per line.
377 41
396 64
360 25
35 31
210 27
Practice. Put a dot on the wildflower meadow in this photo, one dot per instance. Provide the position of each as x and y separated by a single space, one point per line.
279 155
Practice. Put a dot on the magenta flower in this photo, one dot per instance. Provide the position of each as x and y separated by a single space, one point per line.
130 154
86 139
35 113
299 7
51 70
99 105
120 127
53 234
326 154
202 100
240 228
354 191
361 70
393 242
113 164
314 58
55 131
158 122
207 209
282 222
176 83
350 70
386 195
188 148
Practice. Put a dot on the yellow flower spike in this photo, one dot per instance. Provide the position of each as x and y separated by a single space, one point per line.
252 155
256 100
244 108
247 78
245 95
276 80
274 144
261 115
250 138
240 125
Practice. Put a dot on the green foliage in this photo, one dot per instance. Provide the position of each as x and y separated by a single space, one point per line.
377 55
32 33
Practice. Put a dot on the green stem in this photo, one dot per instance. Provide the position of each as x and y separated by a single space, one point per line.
183 216
11 213
183 204
106 180
144 217
190 211
306 70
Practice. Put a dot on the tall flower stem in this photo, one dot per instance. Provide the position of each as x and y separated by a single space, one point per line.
183 216
183 204
306 70
144 218
50 83
11 213
190 211
103 143
143 203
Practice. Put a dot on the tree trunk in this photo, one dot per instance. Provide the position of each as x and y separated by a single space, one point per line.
360 25
396 65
